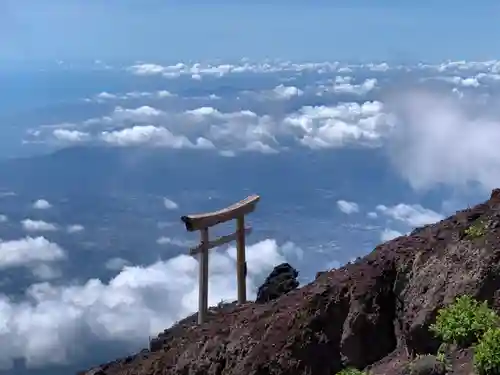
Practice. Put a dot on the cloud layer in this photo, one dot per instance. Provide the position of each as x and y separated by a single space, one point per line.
53 321
442 140
419 112
38 226
29 251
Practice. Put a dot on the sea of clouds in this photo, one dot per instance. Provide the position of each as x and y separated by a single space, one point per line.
439 125
420 113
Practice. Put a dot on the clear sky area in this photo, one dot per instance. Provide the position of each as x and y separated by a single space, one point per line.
299 30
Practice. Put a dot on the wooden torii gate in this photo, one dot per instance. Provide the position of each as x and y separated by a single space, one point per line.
202 222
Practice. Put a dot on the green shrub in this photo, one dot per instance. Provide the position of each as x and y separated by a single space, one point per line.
464 321
351 371
487 353
476 230
442 352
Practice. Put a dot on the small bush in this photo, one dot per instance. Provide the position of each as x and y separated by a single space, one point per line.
442 352
464 321
351 371
487 353
476 230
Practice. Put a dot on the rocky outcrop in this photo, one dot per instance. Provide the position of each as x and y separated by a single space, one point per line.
425 365
281 280
371 314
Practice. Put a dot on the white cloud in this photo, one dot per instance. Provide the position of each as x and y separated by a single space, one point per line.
140 111
163 240
230 132
170 204
287 92
151 135
344 69
260 147
344 86
116 264
106 96
372 215
73 136
146 69
242 130
48 325
382 67
328 127
164 94
75 228
120 116
413 215
209 128
347 207
459 81
292 251
439 141
343 79
389 234
42 204
28 251
38 226
233 129
143 113
198 70
3 218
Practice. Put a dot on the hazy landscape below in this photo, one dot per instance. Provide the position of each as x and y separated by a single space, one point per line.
99 161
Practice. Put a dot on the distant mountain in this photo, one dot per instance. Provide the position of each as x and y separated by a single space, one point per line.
97 170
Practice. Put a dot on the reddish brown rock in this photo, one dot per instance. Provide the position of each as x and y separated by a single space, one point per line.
495 194
372 314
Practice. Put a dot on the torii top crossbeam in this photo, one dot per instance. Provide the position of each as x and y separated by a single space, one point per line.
209 219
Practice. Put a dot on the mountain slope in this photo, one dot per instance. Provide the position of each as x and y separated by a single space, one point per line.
372 314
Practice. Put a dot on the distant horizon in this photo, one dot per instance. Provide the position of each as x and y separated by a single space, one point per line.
114 65
174 60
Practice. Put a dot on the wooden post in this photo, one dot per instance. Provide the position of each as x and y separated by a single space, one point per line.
241 264
202 222
203 277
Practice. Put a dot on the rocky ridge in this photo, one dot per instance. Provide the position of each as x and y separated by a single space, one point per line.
373 314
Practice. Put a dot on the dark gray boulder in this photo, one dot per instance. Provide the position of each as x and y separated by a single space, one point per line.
280 281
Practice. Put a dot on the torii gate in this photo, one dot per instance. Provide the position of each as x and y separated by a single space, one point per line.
204 221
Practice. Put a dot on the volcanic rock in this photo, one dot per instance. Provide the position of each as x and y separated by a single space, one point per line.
425 365
373 314
281 280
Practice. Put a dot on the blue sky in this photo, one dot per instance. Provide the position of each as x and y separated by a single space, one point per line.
308 30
